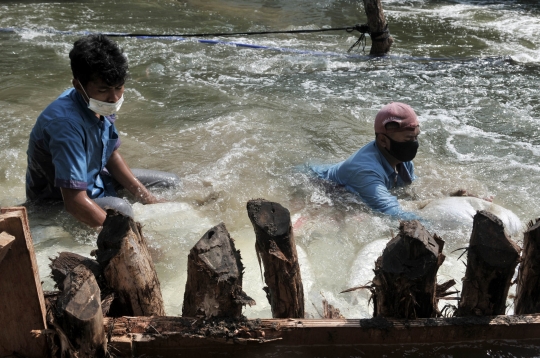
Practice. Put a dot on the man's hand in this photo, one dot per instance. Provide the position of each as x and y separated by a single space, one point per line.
84 209
120 171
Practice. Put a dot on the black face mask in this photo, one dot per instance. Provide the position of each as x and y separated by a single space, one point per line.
402 151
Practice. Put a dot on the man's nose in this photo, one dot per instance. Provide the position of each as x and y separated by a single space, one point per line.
114 96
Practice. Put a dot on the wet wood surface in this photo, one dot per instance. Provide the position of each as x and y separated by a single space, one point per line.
22 305
78 311
528 283
214 277
276 249
128 267
492 258
405 282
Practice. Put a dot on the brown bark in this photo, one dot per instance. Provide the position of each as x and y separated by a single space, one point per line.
6 240
276 249
491 261
78 310
65 262
22 305
405 282
378 27
528 282
128 268
214 277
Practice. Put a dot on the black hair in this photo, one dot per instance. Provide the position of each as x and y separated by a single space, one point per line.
98 57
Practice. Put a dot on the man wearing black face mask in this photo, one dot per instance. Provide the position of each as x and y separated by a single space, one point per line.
383 164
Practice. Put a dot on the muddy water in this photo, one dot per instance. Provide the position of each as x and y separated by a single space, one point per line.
237 123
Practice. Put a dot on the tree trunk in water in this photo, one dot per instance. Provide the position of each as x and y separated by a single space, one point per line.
128 268
214 277
378 27
491 261
276 249
79 313
528 282
405 282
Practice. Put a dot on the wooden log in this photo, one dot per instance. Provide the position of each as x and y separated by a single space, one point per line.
276 249
65 262
528 281
491 262
378 27
405 281
128 268
5 244
22 305
78 310
214 277
178 336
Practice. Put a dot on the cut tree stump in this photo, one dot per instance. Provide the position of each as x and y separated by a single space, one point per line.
381 41
214 277
528 282
491 262
5 244
405 282
65 262
78 310
128 268
22 305
276 249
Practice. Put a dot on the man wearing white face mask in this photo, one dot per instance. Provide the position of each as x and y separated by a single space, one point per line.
73 149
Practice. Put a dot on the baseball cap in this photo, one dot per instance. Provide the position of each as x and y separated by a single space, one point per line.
397 112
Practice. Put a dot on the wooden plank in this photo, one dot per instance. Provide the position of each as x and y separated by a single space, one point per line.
22 305
177 336
5 244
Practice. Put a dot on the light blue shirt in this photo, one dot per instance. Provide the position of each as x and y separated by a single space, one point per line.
69 148
368 174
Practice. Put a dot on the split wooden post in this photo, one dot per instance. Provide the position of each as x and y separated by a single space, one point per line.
381 41
65 262
276 249
405 281
528 282
127 266
214 277
491 262
5 244
22 305
78 309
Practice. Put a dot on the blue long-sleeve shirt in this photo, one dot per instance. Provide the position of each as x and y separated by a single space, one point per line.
368 174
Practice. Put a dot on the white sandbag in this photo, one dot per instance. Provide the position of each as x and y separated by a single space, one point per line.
452 211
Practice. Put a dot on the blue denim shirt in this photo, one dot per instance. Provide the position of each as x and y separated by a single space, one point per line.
69 148
368 174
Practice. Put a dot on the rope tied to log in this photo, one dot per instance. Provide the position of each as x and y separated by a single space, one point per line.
364 29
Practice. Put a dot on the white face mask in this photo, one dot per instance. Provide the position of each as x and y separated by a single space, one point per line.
103 108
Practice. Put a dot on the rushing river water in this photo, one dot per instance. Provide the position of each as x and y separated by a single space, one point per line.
237 123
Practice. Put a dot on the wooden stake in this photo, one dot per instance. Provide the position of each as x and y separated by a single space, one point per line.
22 305
491 261
127 266
405 279
79 312
214 277
276 249
65 262
528 282
380 36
